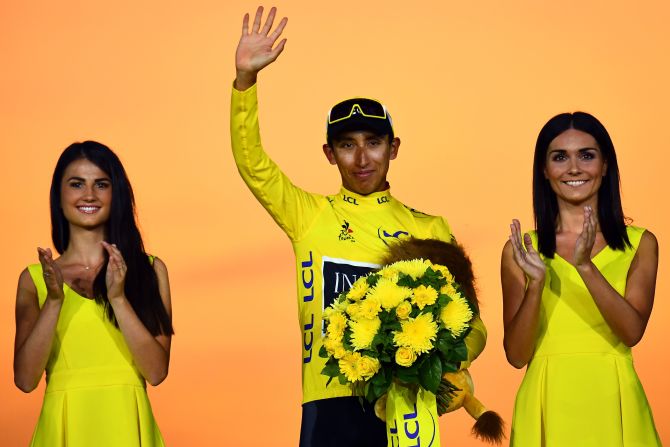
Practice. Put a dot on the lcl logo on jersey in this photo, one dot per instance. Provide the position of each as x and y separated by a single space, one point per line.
349 199
391 236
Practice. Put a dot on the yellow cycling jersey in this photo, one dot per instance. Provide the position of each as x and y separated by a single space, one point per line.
336 239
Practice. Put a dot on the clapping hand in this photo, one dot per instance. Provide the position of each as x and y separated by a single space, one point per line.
528 259
53 277
586 239
115 276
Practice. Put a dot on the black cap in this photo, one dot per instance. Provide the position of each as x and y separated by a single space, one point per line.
358 114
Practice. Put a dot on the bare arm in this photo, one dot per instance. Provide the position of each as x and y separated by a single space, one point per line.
35 327
151 353
522 275
255 50
627 316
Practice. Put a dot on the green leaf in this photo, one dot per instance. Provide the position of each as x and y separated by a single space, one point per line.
430 373
377 341
450 367
332 368
393 326
407 281
382 378
377 386
429 309
346 340
323 353
409 375
369 392
343 380
443 345
461 351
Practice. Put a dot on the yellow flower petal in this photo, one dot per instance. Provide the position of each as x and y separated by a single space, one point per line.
363 332
424 296
417 333
456 315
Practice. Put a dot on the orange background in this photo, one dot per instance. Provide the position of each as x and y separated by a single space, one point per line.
469 85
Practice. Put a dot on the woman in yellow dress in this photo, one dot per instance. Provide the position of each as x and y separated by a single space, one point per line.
577 295
98 317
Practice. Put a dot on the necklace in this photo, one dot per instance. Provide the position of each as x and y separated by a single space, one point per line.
88 267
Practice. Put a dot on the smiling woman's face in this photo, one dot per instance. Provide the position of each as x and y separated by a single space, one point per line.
574 166
86 194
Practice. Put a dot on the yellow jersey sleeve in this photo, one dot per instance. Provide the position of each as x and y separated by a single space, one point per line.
291 207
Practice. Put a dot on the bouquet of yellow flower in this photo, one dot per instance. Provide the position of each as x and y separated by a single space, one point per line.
406 321
398 337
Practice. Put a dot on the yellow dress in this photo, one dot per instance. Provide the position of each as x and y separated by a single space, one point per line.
580 388
95 396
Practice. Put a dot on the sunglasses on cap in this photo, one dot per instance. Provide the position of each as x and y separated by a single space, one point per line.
368 108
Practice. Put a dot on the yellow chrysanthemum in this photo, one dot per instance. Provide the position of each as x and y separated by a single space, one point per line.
446 274
335 308
424 296
403 310
340 304
337 323
353 310
363 332
368 367
349 366
414 268
456 315
390 273
417 333
388 293
369 307
405 356
358 289
327 313
334 347
449 290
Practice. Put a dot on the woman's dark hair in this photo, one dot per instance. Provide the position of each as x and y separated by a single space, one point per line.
545 205
141 285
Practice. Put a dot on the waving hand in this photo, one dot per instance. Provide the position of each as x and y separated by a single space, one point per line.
256 49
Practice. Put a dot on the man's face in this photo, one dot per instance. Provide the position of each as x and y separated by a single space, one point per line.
363 159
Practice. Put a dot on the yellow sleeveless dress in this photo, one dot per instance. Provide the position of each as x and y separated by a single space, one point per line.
95 396
580 388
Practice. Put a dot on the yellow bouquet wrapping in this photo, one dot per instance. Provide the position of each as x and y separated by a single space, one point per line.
411 417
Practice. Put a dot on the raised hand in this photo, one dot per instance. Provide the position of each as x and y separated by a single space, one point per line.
115 276
528 259
586 239
256 49
53 277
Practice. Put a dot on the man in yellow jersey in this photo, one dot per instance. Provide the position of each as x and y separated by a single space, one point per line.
336 238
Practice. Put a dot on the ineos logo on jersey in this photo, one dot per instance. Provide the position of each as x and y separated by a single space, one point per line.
339 275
